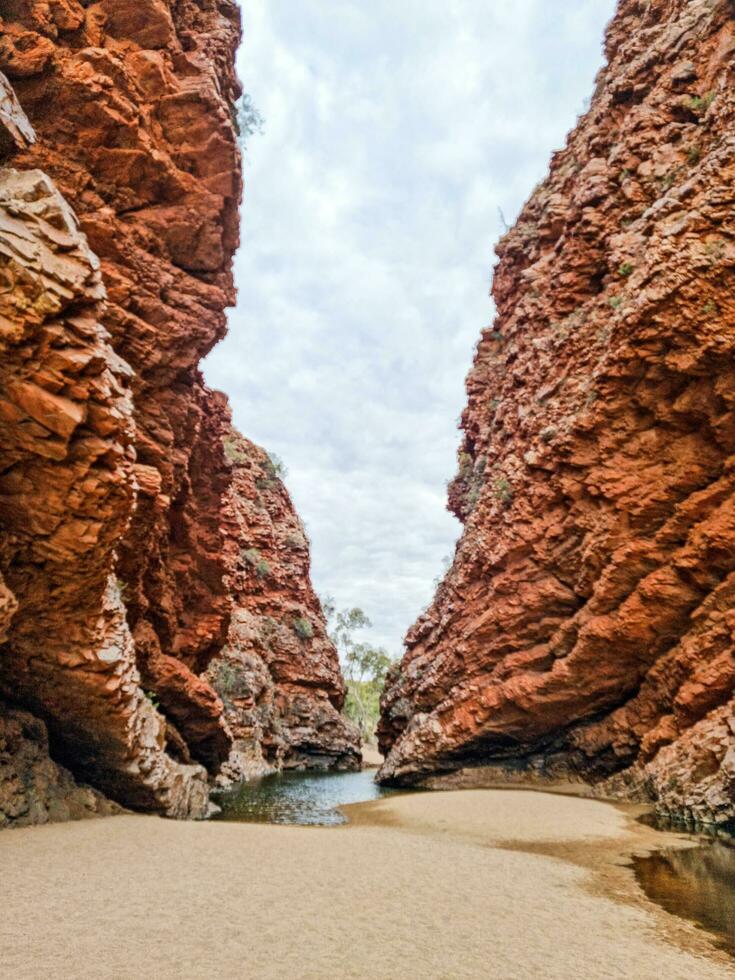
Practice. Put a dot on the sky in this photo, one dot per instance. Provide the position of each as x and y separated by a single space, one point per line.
395 133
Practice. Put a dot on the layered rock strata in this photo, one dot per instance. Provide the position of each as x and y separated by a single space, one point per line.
118 222
278 674
586 628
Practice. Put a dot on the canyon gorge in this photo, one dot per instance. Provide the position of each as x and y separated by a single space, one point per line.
160 634
586 628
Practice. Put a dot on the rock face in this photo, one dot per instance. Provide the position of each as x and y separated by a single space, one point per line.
278 674
66 497
587 625
33 789
118 221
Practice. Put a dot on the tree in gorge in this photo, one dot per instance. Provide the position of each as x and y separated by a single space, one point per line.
364 666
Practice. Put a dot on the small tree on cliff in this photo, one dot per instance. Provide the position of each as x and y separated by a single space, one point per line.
364 666
249 121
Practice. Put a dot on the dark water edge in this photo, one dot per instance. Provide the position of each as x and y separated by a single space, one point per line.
720 832
696 884
303 798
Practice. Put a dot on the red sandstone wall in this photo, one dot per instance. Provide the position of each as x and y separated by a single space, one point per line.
587 624
118 224
278 673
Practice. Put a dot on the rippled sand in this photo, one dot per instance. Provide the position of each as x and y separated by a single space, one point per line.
480 884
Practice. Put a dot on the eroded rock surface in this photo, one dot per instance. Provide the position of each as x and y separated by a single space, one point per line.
278 674
33 789
118 221
586 627
66 497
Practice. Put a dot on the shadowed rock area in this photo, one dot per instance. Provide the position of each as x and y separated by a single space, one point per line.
119 195
586 628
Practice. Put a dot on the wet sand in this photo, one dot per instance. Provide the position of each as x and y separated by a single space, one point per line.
466 884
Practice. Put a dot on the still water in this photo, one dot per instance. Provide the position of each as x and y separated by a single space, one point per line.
697 884
311 798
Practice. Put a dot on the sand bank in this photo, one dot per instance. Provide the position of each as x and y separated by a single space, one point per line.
371 758
468 884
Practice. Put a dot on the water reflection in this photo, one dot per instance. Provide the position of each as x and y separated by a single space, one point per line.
697 884
310 798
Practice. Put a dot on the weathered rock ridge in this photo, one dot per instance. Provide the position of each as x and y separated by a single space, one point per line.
587 625
278 674
119 509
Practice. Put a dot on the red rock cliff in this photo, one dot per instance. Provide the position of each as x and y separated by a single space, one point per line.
587 624
278 674
118 222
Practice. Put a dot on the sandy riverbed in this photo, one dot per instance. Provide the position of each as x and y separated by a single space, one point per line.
468 884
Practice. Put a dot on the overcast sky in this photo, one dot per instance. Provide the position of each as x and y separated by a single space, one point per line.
395 130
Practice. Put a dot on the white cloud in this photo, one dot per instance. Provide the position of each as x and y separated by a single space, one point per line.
393 133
